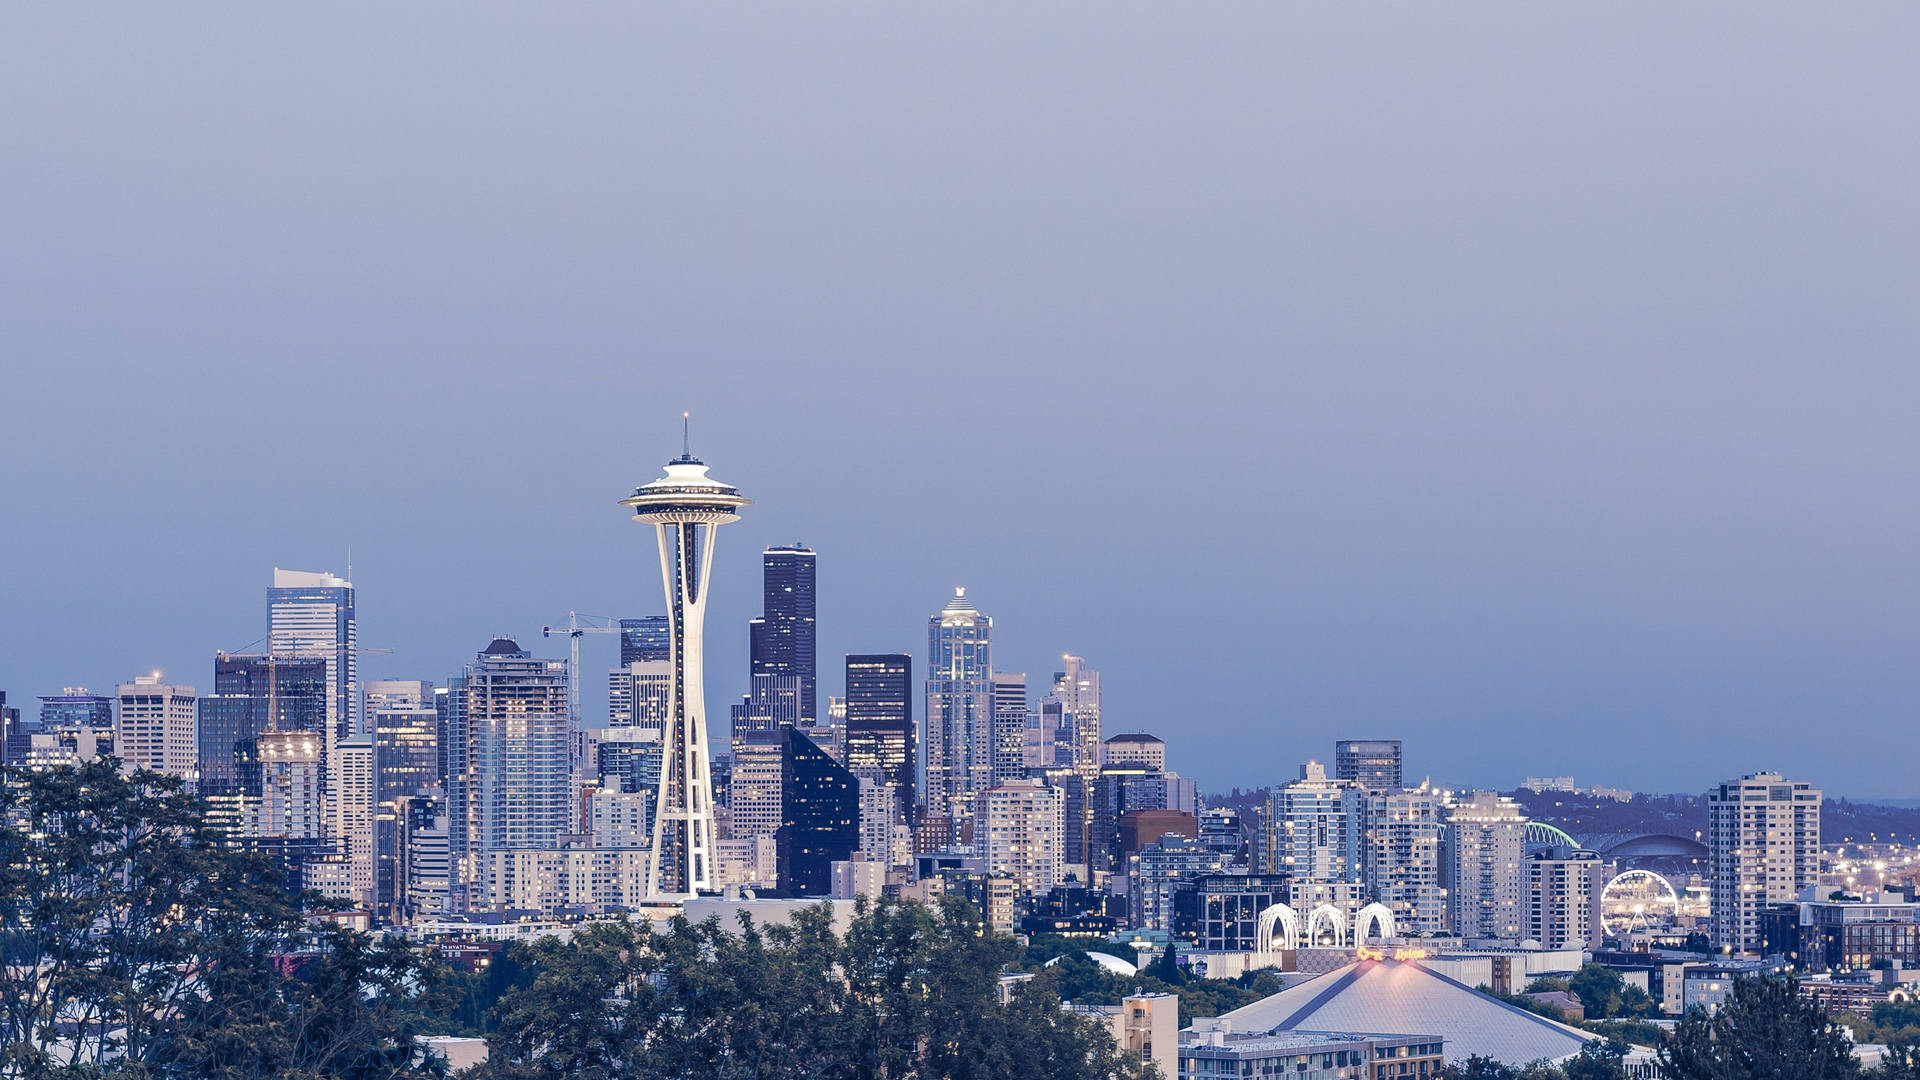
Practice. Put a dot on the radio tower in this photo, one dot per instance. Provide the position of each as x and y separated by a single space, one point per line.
685 507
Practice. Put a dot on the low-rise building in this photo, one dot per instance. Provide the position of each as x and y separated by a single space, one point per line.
1213 1049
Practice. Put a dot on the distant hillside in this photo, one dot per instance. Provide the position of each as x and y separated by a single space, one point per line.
1584 816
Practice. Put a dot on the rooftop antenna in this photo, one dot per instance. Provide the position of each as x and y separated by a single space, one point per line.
686 435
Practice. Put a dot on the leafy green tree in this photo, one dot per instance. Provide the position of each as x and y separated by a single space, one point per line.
136 944
1598 1060
1901 1061
1764 1031
1167 967
908 992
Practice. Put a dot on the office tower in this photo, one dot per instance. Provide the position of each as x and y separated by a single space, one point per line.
1073 712
1009 727
1161 869
1025 825
310 616
1374 764
1143 750
782 639
884 837
285 767
1401 859
959 708
648 639
686 508
78 723
1563 891
156 728
355 780
820 819
880 731
772 702
641 695
252 694
1077 690
1314 830
1484 843
1763 839
457 773
406 737
427 880
756 797
518 761
14 737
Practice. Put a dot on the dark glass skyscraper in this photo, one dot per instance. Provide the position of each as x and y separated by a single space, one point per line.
1374 764
820 811
647 638
782 639
880 720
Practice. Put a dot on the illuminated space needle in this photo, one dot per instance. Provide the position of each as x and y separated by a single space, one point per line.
685 507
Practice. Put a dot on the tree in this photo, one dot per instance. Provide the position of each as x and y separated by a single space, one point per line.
1901 1060
137 944
1764 1031
908 992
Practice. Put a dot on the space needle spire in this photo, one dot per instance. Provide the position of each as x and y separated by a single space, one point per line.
685 507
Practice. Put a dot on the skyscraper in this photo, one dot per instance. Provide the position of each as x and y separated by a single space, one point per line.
252 694
1315 827
645 640
157 728
519 762
1482 871
782 639
1763 842
1024 834
1374 764
1401 853
311 616
1077 690
685 507
1009 727
820 816
406 738
880 732
959 708
1563 895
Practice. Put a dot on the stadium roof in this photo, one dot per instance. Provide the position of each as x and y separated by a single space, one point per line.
1401 997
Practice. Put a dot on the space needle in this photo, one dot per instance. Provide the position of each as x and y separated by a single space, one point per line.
685 507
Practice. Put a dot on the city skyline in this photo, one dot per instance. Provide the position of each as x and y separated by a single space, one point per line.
1542 373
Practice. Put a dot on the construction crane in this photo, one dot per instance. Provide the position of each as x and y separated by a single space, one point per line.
593 624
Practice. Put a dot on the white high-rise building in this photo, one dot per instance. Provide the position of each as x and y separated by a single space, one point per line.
757 791
291 806
959 738
357 780
1401 858
1763 841
1009 726
1563 890
1025 825
1486 841
157 728
686 507
1077 689
641 695
517 750
1313 836
311 616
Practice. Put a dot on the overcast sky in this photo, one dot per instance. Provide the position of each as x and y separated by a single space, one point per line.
1533 383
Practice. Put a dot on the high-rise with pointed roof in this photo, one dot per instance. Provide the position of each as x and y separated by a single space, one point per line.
959 721
685 507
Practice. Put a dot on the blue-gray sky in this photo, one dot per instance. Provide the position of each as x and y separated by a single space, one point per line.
1533 383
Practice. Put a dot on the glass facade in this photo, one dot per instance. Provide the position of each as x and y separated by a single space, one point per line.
782 639
959 708
880 734
647 639
820 810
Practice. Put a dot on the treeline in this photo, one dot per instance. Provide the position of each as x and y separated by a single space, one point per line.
134 944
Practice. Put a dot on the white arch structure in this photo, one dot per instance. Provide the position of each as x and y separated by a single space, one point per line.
1375 916
1334 920
1288 922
